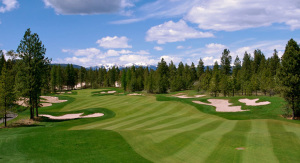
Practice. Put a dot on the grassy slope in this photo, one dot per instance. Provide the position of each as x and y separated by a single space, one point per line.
168 130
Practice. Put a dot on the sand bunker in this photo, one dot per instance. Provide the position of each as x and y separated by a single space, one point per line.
253 102
108 92
221 105
52 99
72 116
135 94
182 95
46 101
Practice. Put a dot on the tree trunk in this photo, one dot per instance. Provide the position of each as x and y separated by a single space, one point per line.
293 109
233 92
256 92
5 112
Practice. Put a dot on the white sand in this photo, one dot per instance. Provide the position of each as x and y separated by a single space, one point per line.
102 92
221 105
44 103
253 102
51 99
135 94
182 95
93 115
111 91
72 116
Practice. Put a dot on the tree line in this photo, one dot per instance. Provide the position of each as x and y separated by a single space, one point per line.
28 74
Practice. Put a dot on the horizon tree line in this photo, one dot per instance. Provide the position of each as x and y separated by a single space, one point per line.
28 74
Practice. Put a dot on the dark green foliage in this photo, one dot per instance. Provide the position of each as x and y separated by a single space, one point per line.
200 68
34 65
225 62
290 76
215 80
162 74
7 91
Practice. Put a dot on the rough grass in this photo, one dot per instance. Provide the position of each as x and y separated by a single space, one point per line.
155 128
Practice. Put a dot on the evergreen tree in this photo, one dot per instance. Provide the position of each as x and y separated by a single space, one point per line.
200 68
173 75
236 81
162 76
53 80
123 79
32 52
225 62
2 60
246 74
215 80
290 76
59 77
7 92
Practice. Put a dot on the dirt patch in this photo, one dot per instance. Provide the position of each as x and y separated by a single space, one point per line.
72 116
253 102
240 148
221 105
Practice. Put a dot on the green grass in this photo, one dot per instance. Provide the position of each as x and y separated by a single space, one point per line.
154 128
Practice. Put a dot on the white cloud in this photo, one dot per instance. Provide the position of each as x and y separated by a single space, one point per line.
161 9
112 53
180 47
173 32
232 15
83 52
158 48
8 5
142 52
114 42
83 7
93 57
214 49
168 59
138 59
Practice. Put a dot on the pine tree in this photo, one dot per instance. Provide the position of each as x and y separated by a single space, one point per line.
2 60
290 76
225 62
215 80
7 92
53 80
32 52
200 68
173 75
246 74
123 79
162 76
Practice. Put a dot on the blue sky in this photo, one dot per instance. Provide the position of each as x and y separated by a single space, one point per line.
122 32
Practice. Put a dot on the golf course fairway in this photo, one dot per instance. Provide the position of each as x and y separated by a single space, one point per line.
153 128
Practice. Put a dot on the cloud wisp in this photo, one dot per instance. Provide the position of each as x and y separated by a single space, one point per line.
173 32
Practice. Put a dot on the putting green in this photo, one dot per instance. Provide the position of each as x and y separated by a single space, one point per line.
158 131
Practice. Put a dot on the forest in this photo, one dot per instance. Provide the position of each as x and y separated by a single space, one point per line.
27 73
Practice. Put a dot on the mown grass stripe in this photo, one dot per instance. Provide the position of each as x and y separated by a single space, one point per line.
161 135
204 145
259 144
152 120
226 150
143 117
286 144
118 119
